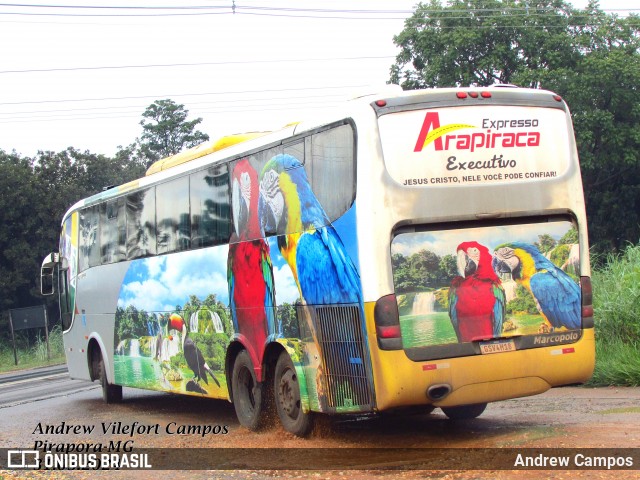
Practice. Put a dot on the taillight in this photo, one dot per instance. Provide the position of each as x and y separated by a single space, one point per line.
463 95
387 320
587 302
392 331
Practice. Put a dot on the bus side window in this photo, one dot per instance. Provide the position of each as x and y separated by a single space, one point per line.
89 234
257 163
330 167
297 150
141 223
112 231
210 208
172 216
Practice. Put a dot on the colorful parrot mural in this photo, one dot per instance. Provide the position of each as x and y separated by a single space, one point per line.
556 295
321 267
249 268
476 297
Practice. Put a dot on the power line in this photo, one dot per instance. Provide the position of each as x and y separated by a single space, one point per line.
288 9
321 13
233 62
206 7
115 7
184 95
252 100
246 109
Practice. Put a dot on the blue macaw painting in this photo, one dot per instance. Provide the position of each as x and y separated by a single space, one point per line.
322 269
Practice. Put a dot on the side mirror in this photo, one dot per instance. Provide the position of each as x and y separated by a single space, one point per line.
46 274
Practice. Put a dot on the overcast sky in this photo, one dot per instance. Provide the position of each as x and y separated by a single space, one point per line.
82 77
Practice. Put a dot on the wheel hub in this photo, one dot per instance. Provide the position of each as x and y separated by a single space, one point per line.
289 399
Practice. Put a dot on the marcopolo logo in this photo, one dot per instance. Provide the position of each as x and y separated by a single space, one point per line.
556 338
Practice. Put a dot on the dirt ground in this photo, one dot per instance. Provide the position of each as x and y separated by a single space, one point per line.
565 418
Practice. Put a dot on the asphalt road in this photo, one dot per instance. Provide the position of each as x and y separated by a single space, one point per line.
38 384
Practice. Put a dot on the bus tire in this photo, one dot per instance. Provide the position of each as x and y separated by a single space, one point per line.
247 393
287 398
464 412
110 393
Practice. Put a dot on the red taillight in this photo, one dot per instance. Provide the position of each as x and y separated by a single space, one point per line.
381 103
557 98
473 94
587 291
486 94
386 312
461 95
388 332
587 302
387 320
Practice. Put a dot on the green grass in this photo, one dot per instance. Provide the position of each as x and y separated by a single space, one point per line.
616 302
34 355
617 363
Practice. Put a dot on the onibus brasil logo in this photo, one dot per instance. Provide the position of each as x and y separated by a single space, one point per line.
34 459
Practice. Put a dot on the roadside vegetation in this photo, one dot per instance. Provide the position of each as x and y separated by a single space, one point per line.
32 352
616 299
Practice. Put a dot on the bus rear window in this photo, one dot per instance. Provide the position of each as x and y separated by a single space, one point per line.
460 289
458 146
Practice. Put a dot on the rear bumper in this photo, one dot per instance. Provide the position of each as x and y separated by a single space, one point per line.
400 381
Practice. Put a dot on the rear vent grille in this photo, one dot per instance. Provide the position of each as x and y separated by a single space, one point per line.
345 363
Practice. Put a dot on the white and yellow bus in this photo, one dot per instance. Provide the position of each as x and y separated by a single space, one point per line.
424 248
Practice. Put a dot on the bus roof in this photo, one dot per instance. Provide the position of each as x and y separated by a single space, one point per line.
238 144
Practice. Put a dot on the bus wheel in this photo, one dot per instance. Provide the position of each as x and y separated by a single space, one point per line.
464 412
110 393
287 398
247 393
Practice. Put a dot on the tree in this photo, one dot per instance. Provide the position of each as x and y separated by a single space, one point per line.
34 195
167 131
449 267
482 42
21 221
545 243
603 96
590 58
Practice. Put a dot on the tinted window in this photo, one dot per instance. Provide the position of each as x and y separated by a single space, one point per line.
172 216
89 231
141 223
210 209
271 208
113 231
330 168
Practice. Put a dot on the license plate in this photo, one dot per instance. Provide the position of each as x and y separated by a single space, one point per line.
497 346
